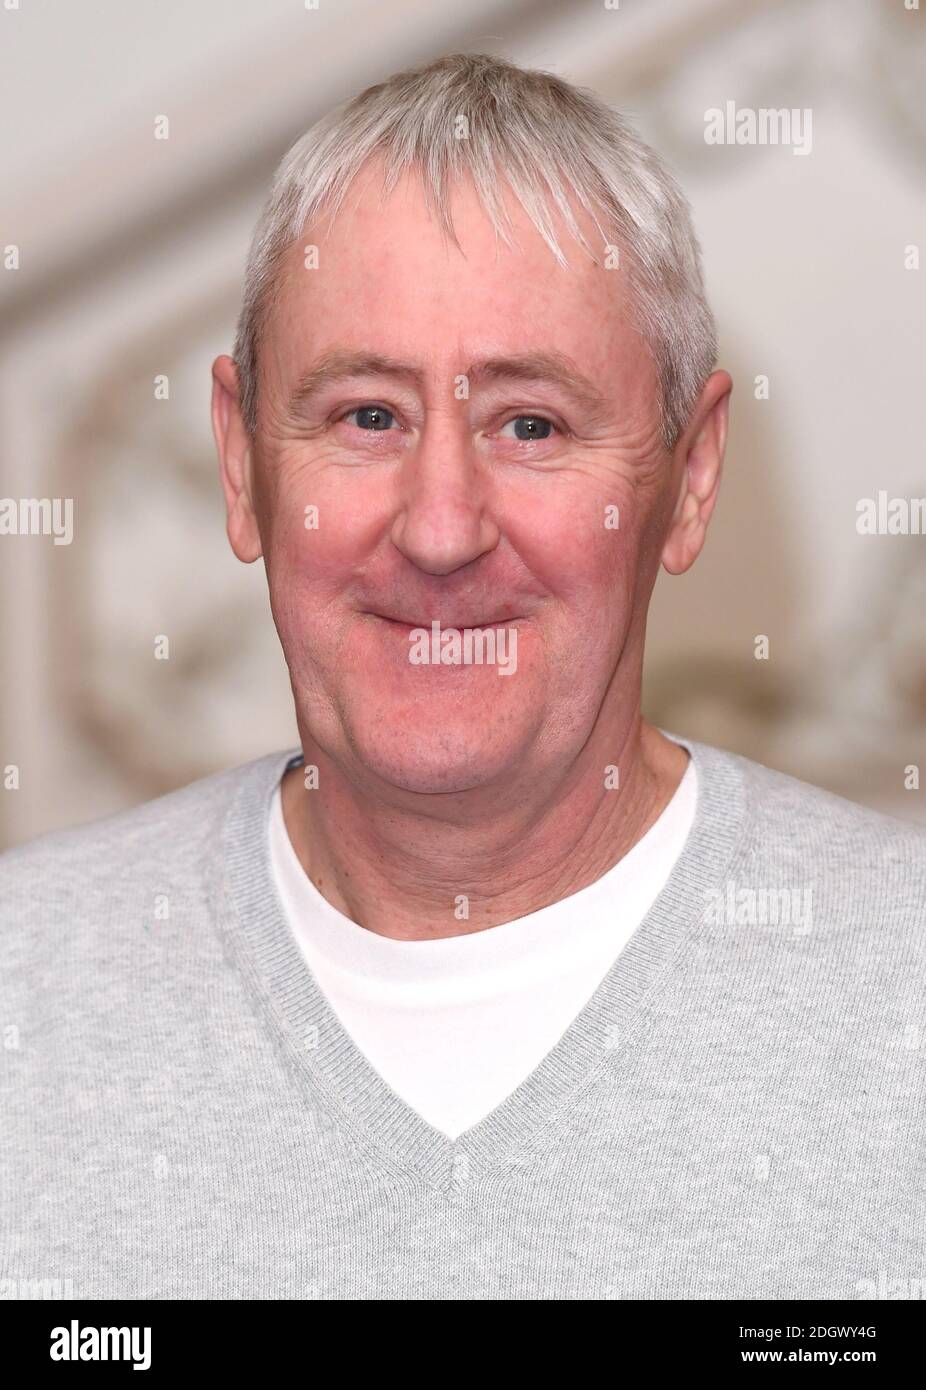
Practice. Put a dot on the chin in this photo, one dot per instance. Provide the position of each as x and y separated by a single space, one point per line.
432 761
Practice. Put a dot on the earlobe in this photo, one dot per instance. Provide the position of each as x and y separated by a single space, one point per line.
686 537
241 529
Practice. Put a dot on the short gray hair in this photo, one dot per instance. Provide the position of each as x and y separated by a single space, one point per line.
474 113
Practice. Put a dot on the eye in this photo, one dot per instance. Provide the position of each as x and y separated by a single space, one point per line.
528 428
372 417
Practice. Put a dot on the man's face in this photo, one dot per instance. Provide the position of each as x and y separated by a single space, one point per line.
465 485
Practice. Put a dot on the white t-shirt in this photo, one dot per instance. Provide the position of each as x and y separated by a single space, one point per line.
455 1025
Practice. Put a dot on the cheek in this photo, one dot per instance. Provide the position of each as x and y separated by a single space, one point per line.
583 543
307 566
317 523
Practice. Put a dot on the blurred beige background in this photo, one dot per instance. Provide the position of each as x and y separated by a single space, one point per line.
131 259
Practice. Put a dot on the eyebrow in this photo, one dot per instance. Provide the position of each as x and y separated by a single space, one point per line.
551 368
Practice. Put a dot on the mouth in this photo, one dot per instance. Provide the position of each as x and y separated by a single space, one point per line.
417 624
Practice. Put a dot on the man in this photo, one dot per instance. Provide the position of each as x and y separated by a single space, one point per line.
491 990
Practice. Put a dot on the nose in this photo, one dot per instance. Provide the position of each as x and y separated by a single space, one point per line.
442 521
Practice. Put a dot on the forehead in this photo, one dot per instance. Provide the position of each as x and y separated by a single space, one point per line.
382 275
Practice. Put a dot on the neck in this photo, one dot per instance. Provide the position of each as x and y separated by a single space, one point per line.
419 872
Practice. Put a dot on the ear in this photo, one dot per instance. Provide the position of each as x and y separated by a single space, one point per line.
235 454
698 461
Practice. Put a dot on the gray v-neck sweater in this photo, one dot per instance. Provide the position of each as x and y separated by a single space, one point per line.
737 1111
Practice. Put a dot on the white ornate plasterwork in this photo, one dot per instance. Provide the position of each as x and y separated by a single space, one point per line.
154 561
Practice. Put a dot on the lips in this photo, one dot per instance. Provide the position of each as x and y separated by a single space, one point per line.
444 623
